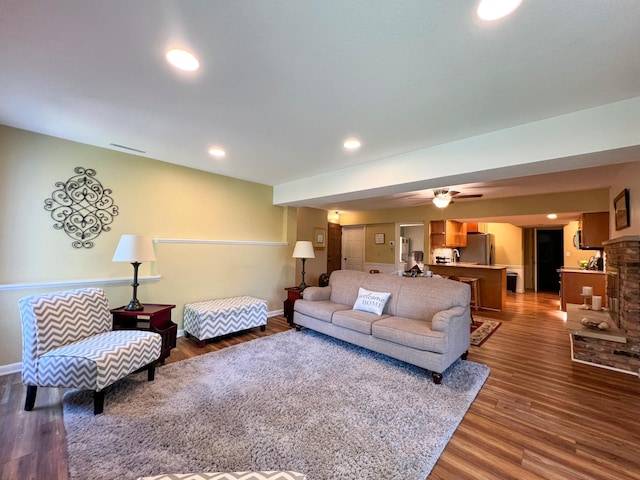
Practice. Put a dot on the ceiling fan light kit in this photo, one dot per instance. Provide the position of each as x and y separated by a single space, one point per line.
441 198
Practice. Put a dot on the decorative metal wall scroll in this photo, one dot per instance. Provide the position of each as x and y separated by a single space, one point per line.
81 207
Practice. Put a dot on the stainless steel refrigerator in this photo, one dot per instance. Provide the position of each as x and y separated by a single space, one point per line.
480 249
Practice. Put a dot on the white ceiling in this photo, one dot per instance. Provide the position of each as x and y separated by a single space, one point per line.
283 82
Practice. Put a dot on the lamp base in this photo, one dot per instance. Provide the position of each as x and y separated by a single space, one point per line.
302 285
134 306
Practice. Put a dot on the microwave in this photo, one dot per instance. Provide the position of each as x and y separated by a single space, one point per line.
577 239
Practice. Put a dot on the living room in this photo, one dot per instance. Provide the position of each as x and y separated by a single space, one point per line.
217 235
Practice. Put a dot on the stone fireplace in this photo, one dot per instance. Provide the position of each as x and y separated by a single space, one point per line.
623 292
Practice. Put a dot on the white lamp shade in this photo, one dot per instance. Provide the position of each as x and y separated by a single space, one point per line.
135 248
303 250
441 200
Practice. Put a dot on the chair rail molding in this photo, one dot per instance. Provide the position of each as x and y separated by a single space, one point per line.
78 283
188 241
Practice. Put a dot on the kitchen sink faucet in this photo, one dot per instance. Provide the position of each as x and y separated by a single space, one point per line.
455 253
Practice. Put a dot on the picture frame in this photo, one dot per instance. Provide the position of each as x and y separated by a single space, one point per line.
621 209
319 237
379 238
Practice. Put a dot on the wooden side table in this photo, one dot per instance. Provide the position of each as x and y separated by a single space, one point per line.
293 294
153 318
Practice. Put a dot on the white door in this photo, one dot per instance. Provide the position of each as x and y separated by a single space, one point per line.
352 248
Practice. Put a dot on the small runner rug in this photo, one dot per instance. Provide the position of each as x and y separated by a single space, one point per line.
482 329
296 401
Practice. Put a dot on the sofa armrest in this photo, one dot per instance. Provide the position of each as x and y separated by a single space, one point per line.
317 293
441 320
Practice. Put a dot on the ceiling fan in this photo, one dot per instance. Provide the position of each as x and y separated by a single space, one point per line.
443 196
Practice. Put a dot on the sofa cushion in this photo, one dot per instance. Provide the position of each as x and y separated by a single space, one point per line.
422 298
411 333
356 320
386 283
322 309
345 284
369 301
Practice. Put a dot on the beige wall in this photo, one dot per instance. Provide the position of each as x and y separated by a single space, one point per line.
154 198
309 219
573 255
627 176
581 201
379 252
508 240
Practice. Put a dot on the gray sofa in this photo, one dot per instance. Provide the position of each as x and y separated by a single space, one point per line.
425 322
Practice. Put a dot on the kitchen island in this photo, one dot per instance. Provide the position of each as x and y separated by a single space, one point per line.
493 281
572 280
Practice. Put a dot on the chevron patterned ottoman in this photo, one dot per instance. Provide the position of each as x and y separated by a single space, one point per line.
210 319
268 475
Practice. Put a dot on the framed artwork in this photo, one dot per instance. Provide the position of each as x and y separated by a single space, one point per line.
621 209
319 237
379 238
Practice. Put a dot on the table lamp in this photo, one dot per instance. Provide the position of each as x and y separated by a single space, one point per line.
303 250
135 249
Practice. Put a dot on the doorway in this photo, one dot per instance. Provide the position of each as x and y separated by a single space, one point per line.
353 248
334 247
550 258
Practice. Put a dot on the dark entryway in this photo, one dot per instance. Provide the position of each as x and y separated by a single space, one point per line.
334 247
550 257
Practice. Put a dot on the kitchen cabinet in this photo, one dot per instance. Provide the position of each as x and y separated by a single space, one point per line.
475 227
448 233
472 227
594 229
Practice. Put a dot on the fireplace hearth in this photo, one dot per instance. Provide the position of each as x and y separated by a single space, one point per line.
623 295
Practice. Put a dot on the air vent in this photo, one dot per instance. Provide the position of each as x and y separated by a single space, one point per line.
127 148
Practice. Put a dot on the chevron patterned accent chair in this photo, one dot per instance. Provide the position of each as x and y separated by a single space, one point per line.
68 341
264 475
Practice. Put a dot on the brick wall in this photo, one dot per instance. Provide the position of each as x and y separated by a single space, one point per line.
623 256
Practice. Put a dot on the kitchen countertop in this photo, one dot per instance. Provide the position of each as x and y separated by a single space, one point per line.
578 270
467 265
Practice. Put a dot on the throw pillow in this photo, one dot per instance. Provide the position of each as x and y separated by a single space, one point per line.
369 301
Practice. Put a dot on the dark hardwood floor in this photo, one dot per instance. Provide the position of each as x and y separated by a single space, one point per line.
539 415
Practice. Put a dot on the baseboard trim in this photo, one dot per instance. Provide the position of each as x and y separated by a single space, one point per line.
11 368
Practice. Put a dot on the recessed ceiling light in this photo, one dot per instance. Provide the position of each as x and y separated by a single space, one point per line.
183 60
217 152
495 9
552 216
352 144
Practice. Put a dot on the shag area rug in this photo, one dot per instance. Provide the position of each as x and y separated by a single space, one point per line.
482 329
297 401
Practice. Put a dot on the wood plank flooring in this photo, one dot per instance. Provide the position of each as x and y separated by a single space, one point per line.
539 415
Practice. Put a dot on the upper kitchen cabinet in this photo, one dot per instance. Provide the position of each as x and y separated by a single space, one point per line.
475 227
448 233
594 229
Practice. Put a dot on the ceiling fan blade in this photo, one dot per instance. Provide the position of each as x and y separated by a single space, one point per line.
474 195
404 195
455 194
